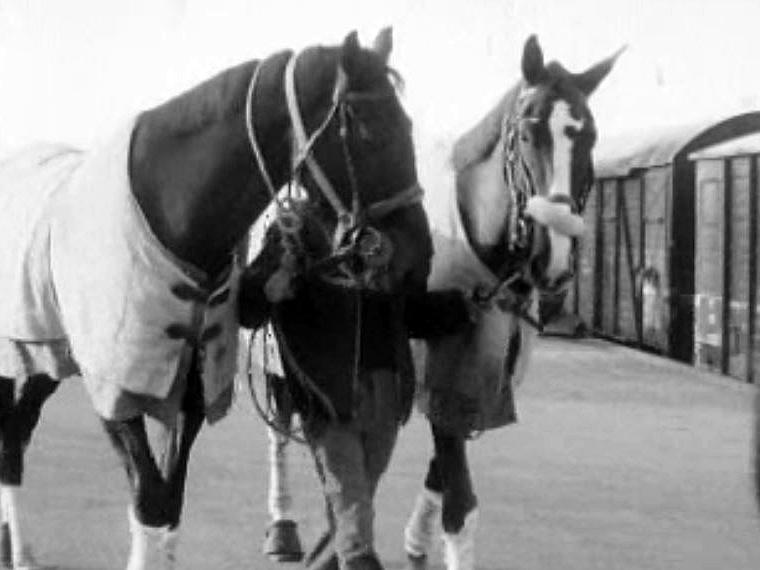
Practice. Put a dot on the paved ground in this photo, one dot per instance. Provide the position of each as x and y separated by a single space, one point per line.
621 461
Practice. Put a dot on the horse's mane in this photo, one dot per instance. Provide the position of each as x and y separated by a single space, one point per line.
479 141
219 96
209 101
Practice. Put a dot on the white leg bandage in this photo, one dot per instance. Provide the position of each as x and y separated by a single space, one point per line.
21 553
280 501
169 546
423 523
459 548
146 550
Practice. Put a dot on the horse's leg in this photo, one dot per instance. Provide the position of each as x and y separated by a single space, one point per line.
424 520
148 519
174 463
19 415
459 510
282 543
448 498
175 445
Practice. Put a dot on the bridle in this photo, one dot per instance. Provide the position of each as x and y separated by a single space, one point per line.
514 282
354 237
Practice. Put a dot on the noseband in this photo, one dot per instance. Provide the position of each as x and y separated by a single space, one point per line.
354 236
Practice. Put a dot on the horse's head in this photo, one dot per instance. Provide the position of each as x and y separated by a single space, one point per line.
548 139
524 171
353 154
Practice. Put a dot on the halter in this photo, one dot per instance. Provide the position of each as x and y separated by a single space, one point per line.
518 180
521 186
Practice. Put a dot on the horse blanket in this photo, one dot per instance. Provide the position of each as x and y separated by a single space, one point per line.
82 266
466 385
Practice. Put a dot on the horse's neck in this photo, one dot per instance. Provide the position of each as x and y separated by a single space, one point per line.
198 185
484 204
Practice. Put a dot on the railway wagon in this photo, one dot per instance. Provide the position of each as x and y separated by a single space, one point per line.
637 269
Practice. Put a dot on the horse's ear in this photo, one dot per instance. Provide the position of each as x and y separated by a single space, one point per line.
533 61
590 79
383 43
349 52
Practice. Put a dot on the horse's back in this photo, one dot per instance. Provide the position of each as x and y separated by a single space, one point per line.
29 179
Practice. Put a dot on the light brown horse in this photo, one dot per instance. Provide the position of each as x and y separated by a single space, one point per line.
519 182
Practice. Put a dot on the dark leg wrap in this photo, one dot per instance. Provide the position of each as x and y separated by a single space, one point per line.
449 473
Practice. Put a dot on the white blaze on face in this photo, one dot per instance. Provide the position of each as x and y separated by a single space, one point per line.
560 182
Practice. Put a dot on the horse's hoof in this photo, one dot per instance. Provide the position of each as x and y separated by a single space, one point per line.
281 543
415 562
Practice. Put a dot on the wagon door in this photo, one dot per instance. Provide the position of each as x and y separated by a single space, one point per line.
587 285
653 270
629 260
607 318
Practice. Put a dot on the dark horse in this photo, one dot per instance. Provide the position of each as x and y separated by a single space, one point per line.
344 364
520 179
196 172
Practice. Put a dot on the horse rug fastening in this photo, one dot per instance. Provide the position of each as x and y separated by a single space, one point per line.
80 263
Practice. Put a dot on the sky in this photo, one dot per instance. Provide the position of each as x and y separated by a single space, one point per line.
70 70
